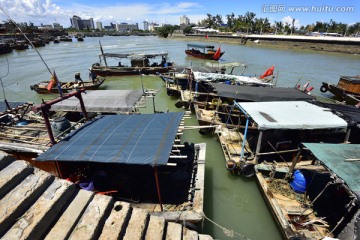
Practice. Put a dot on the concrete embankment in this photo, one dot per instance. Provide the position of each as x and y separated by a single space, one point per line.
328 44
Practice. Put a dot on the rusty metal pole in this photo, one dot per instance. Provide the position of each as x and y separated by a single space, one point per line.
158 187
44 110
83 109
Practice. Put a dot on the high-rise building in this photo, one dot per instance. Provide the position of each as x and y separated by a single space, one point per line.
184 20
78 23
146 25
99 26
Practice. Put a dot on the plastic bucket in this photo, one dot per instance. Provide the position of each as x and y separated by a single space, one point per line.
59 125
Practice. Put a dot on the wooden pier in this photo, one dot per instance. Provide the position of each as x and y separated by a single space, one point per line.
36 205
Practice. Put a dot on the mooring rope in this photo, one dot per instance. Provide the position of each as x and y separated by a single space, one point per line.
228 232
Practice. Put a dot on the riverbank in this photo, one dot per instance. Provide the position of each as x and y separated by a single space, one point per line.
327 44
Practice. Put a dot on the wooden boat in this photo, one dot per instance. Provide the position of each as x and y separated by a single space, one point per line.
347 89
148 166
135 64
203 52
66 87
218 109
315 197
5 48
274 130
65 39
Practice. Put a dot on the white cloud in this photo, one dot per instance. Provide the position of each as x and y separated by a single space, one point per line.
48 12
289 20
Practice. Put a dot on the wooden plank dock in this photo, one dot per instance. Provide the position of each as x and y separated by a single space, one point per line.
36 205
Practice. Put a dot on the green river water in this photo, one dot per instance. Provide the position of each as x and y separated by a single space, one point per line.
231 202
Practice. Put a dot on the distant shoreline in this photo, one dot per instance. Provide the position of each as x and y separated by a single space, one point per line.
346 45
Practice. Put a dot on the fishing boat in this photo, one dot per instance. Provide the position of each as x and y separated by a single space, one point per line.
204 52
132 64
316 196
347 89
5 48
273 131
218 109
136 158
42 87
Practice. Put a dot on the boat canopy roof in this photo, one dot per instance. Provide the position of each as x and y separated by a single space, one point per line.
219 64
262 94
113 101
342 159
139 139
190 45
291 115
347 112
135 55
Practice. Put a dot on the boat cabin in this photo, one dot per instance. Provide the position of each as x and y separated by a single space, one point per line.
134 158
272 131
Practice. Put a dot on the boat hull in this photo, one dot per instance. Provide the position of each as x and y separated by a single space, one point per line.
41 88
341 94
208 56
126 71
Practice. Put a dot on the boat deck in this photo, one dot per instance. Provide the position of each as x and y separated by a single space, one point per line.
36 205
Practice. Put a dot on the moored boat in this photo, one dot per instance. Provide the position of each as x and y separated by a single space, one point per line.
132 64
347 89
317 195
273 131
43 87
147 167
203 52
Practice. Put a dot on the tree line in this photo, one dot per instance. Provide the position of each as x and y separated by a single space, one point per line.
250 24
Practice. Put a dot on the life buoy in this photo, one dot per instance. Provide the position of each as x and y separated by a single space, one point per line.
247 170
323 89
231 165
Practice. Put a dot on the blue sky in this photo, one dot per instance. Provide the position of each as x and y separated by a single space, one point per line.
106 11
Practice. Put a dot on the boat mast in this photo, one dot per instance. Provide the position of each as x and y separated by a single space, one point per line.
102 54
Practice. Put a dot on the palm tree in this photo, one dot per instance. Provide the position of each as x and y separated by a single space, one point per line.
249 18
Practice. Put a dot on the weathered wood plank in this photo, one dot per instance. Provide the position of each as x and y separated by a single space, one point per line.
156 228
137 223
5 159
39 217
173 231
199 185
17 201
12 175
190 234
116 223
93 219
66 223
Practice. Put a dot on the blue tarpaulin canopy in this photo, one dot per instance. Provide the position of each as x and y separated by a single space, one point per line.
129 139
342 159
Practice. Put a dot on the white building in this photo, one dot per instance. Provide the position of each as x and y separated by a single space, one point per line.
184 20
78 23
125 27
99 26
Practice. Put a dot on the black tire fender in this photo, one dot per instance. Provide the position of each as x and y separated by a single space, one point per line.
247 170
323 89
231 165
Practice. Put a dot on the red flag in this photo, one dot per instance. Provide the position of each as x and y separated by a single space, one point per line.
268 72
217 54
51 83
